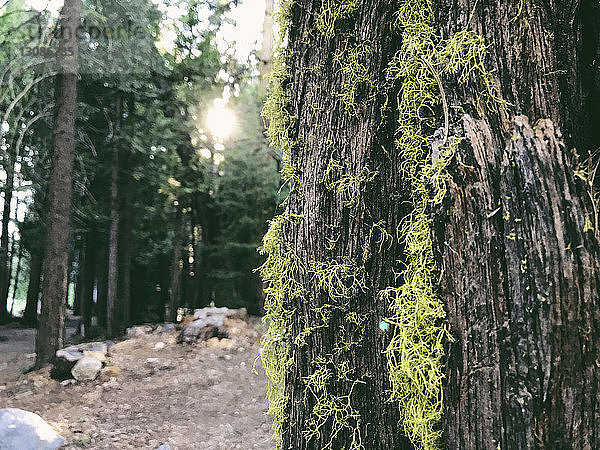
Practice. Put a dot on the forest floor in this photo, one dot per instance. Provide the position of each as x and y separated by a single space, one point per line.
200 396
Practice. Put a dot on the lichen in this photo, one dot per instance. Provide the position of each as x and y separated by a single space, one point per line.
332 11
275 109
355 74
338 177
280 272
417 317
417 348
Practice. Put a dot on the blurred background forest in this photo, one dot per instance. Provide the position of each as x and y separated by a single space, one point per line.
173 181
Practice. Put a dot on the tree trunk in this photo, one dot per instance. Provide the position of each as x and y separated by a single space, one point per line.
17 275
345 197
125 250
176 267
519 266
405 147
88 282
266 54
33 289
5 258
51 324
79 282
102 273
112 316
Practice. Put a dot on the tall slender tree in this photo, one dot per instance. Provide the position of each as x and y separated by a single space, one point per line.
50 335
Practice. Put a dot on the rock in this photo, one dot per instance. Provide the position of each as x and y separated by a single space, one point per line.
139 331
204 313
68 382
164 447
168 327
111 384
152 361
66 358
111 372
159 346
98 355
86 369
203 329
24 430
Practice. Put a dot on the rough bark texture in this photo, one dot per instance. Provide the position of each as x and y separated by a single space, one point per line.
50 336
333 232
518 272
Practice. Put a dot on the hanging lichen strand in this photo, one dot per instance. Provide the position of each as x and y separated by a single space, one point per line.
281 267
417 347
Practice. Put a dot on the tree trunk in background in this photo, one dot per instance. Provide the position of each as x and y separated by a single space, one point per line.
112 309
338 383
17 274
520 272
88 282
33 290
265 65
79 283
54 287
102 274
176 267
5 258
125 250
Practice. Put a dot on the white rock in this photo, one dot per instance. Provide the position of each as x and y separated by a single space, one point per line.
24 430
86 369
159 346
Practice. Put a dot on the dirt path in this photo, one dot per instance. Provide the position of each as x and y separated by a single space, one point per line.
202 396
16 352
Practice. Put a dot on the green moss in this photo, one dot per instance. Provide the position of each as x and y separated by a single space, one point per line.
416 350
356 75
338 177
275 110
280 272
332 11
337 410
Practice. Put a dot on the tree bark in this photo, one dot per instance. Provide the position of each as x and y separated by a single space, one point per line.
519 272
514 239
30 315
333 229
112 316
54 287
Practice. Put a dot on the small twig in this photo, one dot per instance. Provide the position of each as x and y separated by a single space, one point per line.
444 102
